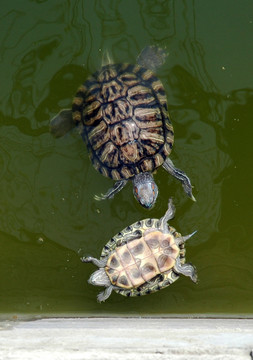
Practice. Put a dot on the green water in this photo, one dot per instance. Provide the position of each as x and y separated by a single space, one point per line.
48 217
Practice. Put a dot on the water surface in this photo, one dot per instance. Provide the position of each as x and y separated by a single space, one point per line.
48 217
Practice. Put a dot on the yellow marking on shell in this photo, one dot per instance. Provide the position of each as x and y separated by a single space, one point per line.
110 156
147 165
92 107
139 89
162 98
115 175
92 99
151 135
108 149
128 80
89 116
107 73
151 150
170 138
148 117
157 85
82 88
77 100
76 116
166 148
93 86
158 160
112 90
148 123
136 68
99 135
137 95
104 171
147 75
126 172
113 261
169 126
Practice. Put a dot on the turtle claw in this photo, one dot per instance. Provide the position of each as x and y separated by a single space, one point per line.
101 297
181 176
99 198
112 191
86 259
188 188
193 198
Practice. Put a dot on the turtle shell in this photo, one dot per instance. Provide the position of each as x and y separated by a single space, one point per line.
127 129
144 265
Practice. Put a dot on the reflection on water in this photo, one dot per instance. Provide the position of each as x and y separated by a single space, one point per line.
158 19
47 186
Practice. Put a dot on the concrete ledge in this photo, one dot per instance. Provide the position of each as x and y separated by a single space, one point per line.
124 338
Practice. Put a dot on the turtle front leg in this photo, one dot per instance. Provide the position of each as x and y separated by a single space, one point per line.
180 175
61 123
98 262
112 191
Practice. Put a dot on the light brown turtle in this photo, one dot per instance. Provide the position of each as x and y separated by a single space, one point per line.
123 113
143 258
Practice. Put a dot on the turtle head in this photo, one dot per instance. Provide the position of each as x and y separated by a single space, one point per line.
145 189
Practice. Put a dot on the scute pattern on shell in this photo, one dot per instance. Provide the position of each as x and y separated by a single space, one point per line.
126 126
138 261
157 282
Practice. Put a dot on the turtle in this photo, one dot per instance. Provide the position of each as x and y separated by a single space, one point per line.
123 117
145 257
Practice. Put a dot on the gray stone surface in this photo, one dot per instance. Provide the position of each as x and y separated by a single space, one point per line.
127 338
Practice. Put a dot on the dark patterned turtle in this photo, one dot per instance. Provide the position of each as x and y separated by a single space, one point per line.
123 113
143 258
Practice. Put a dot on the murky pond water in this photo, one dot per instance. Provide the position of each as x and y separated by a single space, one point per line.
48 216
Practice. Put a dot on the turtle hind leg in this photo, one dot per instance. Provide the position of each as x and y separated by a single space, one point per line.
112 191
181 176
186 270
61 123
151 57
